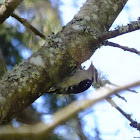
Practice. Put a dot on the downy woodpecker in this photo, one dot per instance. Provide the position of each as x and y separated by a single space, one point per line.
80 81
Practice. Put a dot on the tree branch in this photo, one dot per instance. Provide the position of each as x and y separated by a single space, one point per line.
133 26
119 86
28 26
127 116
41 130
121 47
61 53
7 8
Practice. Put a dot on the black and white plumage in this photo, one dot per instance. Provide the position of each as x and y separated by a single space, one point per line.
80 81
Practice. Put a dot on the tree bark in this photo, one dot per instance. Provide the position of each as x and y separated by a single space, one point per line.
61 53
7 9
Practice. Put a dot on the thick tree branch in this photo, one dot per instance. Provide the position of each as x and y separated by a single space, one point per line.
57 58
7 8
41 130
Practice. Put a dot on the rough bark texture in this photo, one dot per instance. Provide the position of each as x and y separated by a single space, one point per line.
59 56
7 9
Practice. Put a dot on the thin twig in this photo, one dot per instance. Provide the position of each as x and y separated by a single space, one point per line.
120 86
28 26
80 130
119 96
127 116
121 47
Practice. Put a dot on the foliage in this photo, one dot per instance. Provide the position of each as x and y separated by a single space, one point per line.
9 50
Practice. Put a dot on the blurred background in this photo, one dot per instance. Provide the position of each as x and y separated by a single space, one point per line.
102 121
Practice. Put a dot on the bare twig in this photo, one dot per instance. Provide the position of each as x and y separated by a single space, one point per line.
28 26
80 130
121 47
127 116
120 86
119 96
